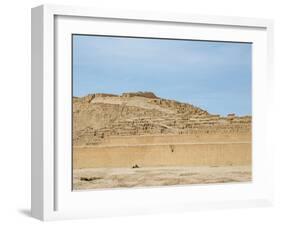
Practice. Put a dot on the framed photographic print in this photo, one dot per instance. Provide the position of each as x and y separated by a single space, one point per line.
137 112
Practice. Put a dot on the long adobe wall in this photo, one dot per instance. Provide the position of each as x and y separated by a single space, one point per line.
205 154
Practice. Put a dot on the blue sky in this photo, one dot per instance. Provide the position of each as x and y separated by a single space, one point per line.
215 76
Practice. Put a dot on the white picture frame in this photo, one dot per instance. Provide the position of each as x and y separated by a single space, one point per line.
52 197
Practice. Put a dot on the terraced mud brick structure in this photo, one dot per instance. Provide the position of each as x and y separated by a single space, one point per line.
112 131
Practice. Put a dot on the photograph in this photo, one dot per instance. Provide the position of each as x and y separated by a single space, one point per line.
150 112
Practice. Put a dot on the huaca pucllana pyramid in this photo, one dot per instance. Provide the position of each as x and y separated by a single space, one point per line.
97 116
139 139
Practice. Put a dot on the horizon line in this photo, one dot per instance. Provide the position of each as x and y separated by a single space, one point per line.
157 97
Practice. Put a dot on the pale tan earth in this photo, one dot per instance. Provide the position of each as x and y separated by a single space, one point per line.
171 143
100 178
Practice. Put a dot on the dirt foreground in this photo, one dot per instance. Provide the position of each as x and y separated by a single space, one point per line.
102 178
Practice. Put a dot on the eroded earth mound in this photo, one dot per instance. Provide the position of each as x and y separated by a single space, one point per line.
97 116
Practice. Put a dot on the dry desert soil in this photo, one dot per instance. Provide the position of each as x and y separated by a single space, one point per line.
101 178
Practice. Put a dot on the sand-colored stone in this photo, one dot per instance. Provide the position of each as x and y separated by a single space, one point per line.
166 150
120 131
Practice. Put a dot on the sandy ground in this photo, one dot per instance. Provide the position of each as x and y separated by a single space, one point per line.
101 178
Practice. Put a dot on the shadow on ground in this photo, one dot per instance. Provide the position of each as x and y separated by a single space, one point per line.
26 212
